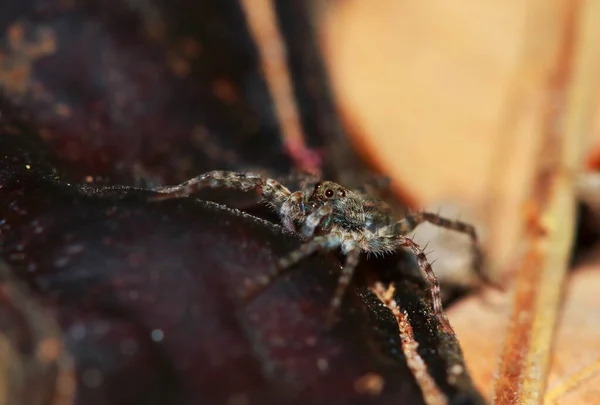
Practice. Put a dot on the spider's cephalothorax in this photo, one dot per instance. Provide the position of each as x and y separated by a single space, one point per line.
329 216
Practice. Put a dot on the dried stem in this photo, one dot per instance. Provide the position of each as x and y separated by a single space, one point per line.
550 208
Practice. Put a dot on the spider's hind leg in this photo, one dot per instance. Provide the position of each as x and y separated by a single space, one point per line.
412 220
425 266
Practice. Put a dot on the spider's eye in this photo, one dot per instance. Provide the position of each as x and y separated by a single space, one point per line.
329 193
342 193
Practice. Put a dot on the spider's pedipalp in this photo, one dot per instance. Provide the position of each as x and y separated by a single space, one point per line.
315 219
431 278
293 211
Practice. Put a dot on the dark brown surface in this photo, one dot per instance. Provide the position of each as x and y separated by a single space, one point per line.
116 270
146 85
146 295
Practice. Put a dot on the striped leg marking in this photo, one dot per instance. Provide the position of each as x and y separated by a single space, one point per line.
425 266
411 221
271 190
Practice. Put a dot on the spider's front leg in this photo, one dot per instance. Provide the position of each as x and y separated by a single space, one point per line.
412 220
324 242
352 252
271 190
321 218
426 268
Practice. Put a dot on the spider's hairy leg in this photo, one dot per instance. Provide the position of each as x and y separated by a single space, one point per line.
352 256
425 266
314 219
412 220
325 242
292 211
273 191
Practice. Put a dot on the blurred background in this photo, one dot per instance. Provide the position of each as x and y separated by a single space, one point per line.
450 99
453 100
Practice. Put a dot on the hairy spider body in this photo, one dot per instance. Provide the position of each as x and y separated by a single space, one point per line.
329 216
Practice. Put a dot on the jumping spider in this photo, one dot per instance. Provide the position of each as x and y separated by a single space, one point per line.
329 216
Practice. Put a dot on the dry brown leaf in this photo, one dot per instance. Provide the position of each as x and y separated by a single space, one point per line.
489 104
